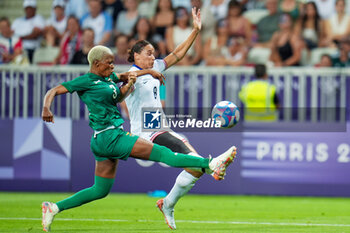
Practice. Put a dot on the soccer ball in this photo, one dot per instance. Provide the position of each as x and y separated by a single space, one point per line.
226 112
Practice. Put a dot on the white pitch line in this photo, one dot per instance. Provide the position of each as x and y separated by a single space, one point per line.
188 221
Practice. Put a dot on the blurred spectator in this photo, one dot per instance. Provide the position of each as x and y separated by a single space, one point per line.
337 27
208 20
113 8
342 60
182 29
10 45
309 27
325 61
122 45
285 44
291 7
325 8
56 25
164 18
234 55
260 98
214 46
238 25
141 31
217 7
70 43
29 28
147 8
127 18
99 21
268 25
77 8
80 57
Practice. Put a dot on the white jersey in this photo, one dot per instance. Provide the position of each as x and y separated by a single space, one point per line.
145 94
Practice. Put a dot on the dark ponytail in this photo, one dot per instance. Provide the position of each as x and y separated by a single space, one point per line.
137 48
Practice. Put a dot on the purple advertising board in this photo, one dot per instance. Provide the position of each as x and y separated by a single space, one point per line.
37 156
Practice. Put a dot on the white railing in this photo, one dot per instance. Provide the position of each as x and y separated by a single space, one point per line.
23 88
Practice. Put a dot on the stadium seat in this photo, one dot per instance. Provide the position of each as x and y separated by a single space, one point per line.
255 15
318 52
14 8
45 56
259 55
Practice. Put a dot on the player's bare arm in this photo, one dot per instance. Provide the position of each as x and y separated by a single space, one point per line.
124 77
46 113
181 50
126 89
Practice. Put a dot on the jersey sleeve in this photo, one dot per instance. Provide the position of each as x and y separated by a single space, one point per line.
114 77
159 65
78 84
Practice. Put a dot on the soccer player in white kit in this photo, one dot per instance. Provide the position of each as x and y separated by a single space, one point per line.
146 94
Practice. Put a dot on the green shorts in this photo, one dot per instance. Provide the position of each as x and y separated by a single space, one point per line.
112 144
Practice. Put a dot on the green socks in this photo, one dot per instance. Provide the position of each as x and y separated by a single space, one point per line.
165 155
99 190
102 185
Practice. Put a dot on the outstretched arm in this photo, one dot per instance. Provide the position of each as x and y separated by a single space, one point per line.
181 50
124 77
46 113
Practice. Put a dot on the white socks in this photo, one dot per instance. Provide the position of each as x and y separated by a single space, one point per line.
184 183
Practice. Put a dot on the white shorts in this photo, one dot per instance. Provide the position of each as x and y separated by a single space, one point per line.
150 136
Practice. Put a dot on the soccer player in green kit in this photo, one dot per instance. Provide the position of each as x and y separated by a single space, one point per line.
98 90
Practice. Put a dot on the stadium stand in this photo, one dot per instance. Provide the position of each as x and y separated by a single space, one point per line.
45 55
13 8
255 15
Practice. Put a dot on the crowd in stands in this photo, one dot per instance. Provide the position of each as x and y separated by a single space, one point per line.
234 32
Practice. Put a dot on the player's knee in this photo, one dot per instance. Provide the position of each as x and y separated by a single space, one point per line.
185 179
183 183
102 193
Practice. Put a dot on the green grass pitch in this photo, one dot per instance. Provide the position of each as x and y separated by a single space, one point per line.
21 212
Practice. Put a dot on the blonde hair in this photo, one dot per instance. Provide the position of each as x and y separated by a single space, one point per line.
97 53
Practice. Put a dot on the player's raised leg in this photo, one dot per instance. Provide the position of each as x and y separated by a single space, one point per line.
146 150
219 164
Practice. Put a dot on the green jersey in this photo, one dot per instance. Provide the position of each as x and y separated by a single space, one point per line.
100 96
